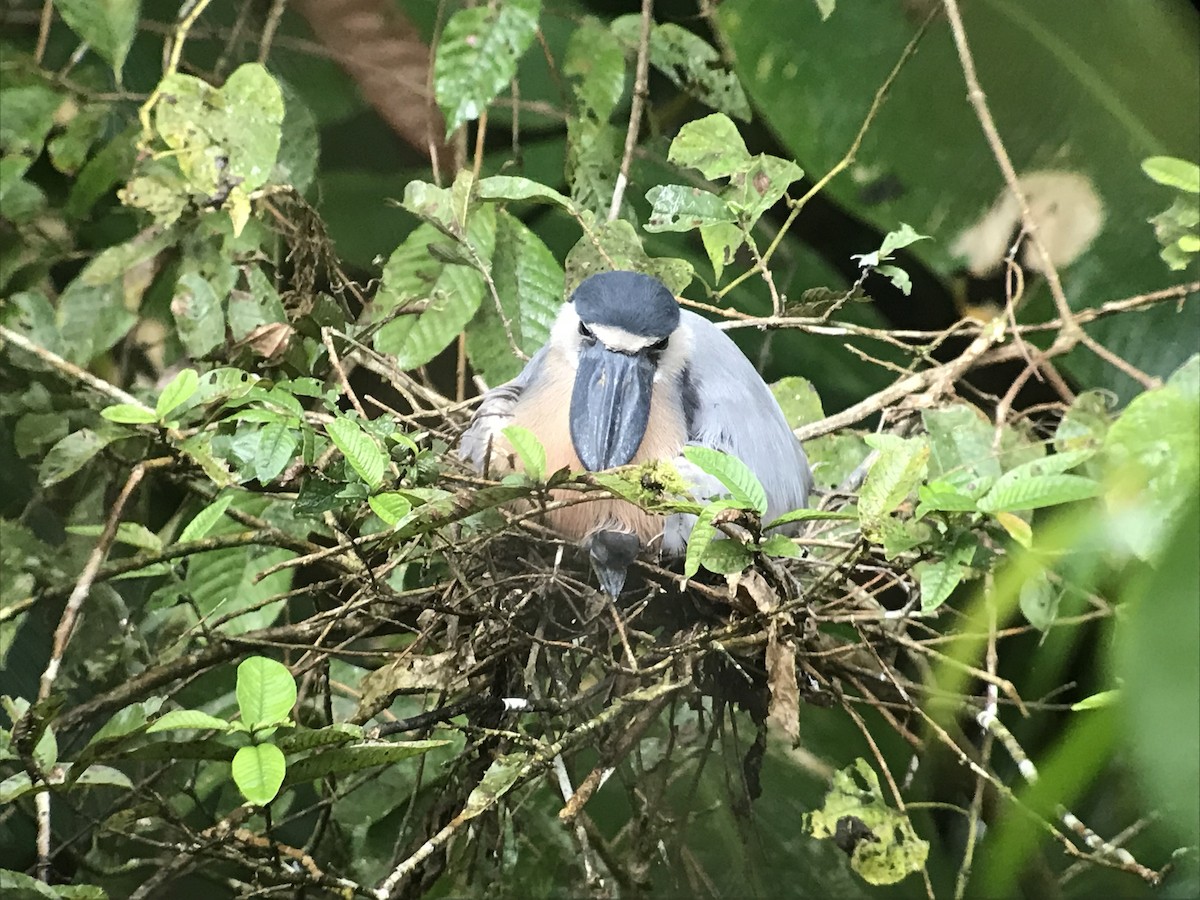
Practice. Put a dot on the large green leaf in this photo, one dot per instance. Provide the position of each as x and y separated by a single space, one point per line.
1156 657
109 26
451 290
477 56
925 161
266 691
258 771
529 282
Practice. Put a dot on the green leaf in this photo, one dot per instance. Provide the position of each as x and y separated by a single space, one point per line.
224 140
529 282
514 187
348 760
1038 491
1039 600
19 785
615 245
689 61
20 886
258 772
452 292
902 237
1097 701
826 8
128 414
361 451
70 148
29 112
276 445
497 781
712 145
391 506
188 719
897 471
595 63
477 56
204 520
71 454
809 515
529 449
960 445
109 26
735 475
132 533
753 192
309 738
676 207
1177 173
266 691
721 242
941 496
1156 658
198 315
780 545
1155 447
894 852
938 578
180 389
1085 424
299 147
727 557
703 534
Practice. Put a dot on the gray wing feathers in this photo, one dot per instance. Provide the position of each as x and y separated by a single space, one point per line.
730 397
495 412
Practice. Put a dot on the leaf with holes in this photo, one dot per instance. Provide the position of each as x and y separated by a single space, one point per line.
477 56
690 62
712 145
616 245
347 760
676 207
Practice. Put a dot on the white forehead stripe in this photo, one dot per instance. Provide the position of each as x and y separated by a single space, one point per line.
615 338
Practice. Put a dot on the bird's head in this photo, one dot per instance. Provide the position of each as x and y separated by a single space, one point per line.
620 329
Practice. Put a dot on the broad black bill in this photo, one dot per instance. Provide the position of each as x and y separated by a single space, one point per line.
610 406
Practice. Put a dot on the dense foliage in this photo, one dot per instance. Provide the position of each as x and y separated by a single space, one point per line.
262 633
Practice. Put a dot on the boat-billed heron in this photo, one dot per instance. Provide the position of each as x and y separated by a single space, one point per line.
628 377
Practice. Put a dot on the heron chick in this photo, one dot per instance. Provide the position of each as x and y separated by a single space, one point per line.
628 377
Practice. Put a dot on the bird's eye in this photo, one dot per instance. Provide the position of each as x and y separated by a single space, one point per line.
659 346
586 332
